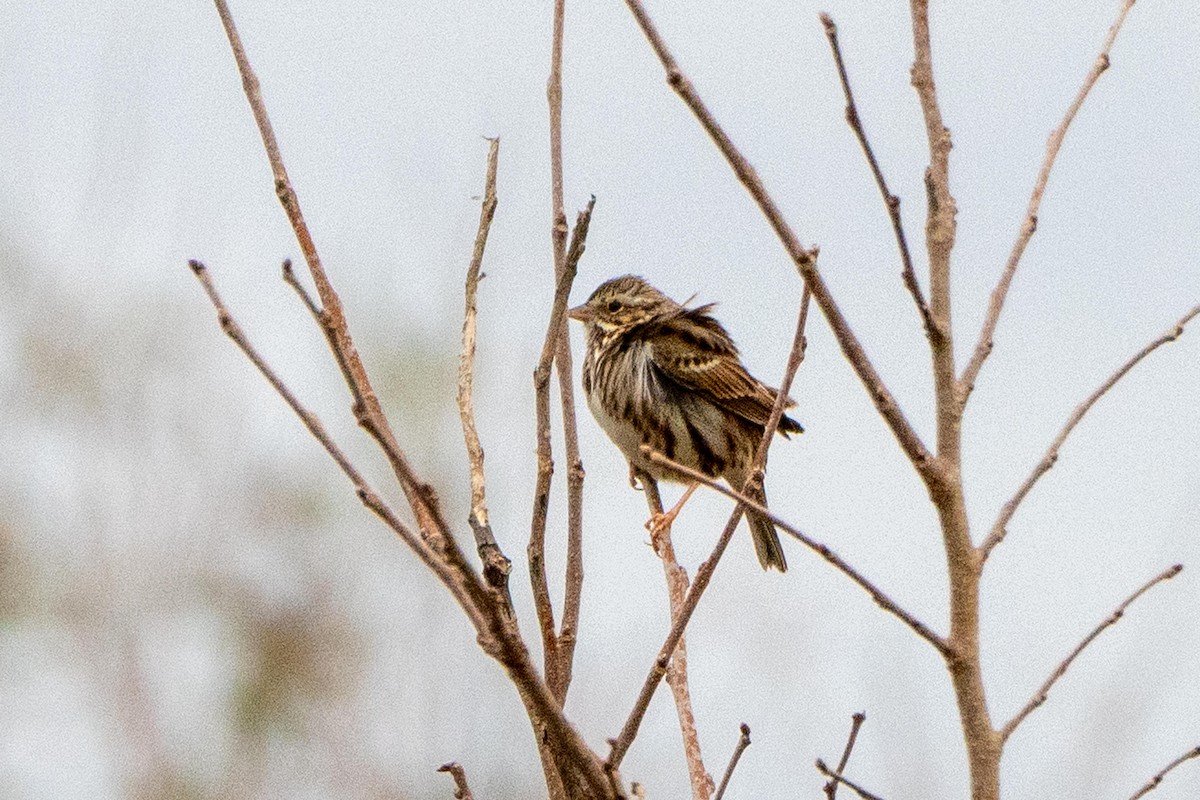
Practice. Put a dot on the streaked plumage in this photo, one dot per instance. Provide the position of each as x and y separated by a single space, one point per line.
659 374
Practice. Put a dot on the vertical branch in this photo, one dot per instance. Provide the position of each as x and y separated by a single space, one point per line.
677 671
963 561
495 565
573 579
742 744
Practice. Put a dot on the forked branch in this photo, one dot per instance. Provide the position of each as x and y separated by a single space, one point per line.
838 777
856 722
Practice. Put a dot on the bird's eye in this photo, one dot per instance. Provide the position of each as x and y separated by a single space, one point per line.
614 306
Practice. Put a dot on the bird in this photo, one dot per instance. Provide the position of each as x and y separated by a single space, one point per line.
659 376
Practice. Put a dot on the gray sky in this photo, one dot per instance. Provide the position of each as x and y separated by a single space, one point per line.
129 148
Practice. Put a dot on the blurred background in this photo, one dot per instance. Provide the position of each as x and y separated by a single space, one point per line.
194 605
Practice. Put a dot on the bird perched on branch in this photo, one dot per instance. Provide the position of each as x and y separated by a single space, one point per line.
662 376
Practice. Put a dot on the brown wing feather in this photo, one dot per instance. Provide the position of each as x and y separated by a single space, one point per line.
703 359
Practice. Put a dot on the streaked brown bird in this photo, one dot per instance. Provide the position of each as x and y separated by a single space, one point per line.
669 377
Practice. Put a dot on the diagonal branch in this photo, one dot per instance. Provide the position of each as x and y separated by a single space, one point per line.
1153 783
367 408
1000 527
495 565
1044 691
369 497
742 743
983 347
881 599
804 258
891 201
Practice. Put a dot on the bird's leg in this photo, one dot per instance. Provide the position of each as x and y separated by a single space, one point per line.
661 522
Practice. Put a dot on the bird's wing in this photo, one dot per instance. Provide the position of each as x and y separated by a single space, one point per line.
699 356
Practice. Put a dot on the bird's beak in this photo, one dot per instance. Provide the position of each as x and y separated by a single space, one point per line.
582 313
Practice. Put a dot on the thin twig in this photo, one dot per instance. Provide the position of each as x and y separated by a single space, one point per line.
620 745
742 743
890 201
495 565
573 577
878 595
541 495
837 777
461 790
1000 527
677 669
983 347
1044 691
856 722
804 258
1153 783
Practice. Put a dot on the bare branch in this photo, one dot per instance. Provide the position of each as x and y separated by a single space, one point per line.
369 497
461 790
742 743
983 347
367 409
573 579
837 777
1000 527
856 722
878 595
495 565
1044 691
804 258
541 496
677 671
890 201
1153 783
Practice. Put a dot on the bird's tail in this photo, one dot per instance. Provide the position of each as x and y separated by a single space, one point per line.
766 540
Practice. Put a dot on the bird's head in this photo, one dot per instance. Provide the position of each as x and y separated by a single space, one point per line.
623 303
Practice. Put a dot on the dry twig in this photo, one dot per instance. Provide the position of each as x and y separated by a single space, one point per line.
1153 783
891 201
461 790
856 722
983 347
1000 526
742 743
1043 692
495 565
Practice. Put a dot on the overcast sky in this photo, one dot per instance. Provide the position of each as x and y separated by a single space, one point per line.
128 147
